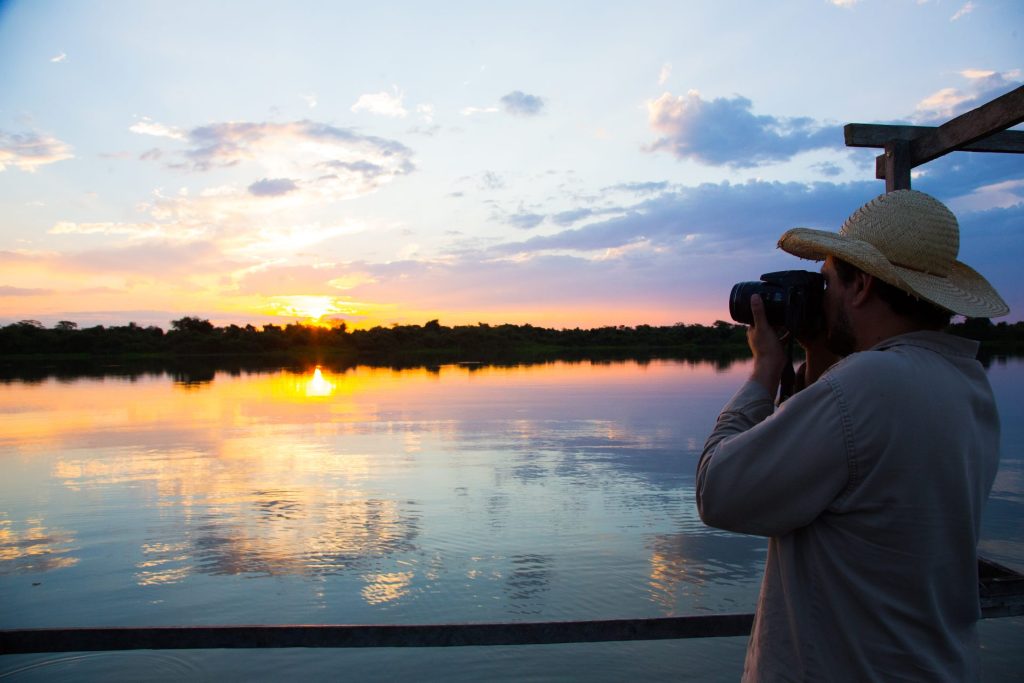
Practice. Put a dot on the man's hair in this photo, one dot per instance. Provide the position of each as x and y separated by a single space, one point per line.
921 312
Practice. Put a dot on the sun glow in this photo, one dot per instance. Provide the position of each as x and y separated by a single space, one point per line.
317 386
311 309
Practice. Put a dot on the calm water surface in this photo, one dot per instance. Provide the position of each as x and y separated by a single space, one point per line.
459 494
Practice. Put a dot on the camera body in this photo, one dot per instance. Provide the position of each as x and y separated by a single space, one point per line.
792 299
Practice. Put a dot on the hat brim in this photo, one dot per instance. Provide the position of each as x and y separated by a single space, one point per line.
963 290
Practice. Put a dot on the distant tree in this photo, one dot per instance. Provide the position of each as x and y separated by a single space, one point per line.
192 324
30 323
66 325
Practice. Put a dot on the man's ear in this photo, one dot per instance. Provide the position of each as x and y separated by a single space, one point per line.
862 287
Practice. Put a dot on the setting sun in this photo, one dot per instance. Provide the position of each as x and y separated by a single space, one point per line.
311 309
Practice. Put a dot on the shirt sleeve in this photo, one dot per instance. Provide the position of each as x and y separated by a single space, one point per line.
768 473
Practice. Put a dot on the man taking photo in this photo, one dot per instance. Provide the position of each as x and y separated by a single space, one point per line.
869 482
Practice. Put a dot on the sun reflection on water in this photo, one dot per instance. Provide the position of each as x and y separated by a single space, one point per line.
389 587
317 386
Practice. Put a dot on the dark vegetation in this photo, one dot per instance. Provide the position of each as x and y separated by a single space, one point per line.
191 336
28 341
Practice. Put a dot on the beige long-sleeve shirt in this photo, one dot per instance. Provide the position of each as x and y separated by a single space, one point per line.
870 484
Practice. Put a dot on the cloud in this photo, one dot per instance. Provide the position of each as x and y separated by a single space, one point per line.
572 216
491 181
296 145
519 103
161 261
963 11
135 230
295 165
303 279
724 132
981 86
6 290
640 188
665 73
382 103
708 218
846 4
964 173
670 256
1006 194
29 151
147 126
239 224
827 169
311 100
8 258
525 220
59 58
272 187
157 260
298 170
660 261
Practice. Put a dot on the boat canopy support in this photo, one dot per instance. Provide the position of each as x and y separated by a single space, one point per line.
983 129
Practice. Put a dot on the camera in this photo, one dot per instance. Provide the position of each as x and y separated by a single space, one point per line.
792 299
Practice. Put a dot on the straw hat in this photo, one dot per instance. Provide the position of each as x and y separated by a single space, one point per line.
910 240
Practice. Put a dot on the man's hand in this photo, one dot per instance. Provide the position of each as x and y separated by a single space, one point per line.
819 358
769 355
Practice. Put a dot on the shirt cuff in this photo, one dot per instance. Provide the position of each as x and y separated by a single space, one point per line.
752 401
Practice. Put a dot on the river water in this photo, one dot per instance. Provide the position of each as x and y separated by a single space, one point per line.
462 493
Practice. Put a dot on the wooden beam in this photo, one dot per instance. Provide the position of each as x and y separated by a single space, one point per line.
897 165
1001 113
877 135
980 130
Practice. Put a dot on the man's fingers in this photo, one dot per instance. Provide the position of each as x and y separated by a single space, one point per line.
761 318
757 309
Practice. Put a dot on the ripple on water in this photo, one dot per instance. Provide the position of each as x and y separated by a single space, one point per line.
103 666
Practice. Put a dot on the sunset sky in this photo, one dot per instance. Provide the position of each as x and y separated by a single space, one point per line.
556 163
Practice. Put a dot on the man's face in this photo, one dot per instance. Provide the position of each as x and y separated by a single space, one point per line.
839 337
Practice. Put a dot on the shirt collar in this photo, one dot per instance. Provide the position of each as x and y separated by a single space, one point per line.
939 342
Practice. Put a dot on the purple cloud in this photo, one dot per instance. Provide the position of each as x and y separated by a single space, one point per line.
724 132
525 220
519 103
272 187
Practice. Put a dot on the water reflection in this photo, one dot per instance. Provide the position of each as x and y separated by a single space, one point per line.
164 563
528 581
32 547
385 588
317 386
319 474
696 568
458 493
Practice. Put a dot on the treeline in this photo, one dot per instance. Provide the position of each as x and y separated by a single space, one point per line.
192 336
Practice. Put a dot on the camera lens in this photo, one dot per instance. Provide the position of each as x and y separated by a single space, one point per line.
772 296
739 301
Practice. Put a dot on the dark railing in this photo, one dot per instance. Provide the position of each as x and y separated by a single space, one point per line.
339 636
